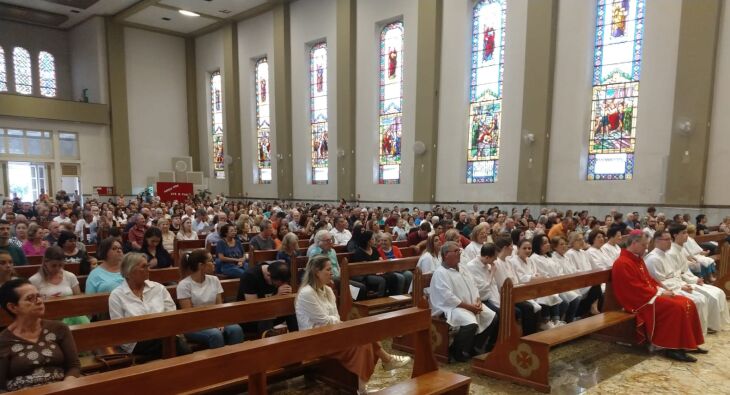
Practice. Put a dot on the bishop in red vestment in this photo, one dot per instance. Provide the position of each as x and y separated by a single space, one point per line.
663 318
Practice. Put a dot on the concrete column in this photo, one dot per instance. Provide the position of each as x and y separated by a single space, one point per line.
231 109
282 103
346 97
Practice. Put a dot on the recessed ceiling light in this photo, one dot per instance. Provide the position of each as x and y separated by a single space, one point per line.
164 18
75 11
188 13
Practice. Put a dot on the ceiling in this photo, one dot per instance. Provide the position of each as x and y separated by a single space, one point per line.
158 15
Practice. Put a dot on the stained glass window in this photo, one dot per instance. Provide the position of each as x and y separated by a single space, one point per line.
216 125
616 74
318 112
485 94
263 122
391 103
47 73
3 72
23 73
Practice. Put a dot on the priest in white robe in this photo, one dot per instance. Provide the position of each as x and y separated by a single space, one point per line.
718 316
454 294
662 266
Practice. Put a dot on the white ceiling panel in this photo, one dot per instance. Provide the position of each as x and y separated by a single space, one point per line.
215 7
152 16
101 7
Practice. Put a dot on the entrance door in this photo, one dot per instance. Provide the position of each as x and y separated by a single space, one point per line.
27 180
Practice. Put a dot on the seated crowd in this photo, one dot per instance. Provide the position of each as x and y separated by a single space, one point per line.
470 256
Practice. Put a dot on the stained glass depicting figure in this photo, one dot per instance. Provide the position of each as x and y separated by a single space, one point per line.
485 95
216 127
318 112
23 71
391 103
47 74
263 122
616 75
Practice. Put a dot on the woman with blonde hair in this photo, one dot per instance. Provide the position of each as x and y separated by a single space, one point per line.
479 235
168 238
316 306
288 251
186 230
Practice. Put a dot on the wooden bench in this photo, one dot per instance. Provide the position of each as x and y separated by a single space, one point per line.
439 327
28 270
526 359
722 259
199 372
179 247
33 260
368 307
166 275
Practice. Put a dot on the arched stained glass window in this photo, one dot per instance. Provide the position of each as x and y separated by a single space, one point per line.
3 72
23 71
616 74
485 94
391 103
47 74
318 112
216 125
263 122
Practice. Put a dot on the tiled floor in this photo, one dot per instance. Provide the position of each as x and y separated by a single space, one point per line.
587 366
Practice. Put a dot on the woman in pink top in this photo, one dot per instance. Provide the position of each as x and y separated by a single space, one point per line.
35 245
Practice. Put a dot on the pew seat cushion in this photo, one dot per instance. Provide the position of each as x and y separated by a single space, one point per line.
436 382
579 328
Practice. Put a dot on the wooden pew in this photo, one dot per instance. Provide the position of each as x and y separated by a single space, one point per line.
365 308
72 306
301 264
439 327
181 246
196 373
304 243
526 359
34 259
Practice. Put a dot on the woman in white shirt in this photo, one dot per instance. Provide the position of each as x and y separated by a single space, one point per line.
596 255
479 235
202 289
705 266
547 267
54 282
136 296
526 310
431 257
168 238
592 297
186 230
316 306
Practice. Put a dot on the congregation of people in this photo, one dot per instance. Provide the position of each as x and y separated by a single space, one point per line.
470 255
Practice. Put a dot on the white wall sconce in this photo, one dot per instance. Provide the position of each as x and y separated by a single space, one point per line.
684 126
419 148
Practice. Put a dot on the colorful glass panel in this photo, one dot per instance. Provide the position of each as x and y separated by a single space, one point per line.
47 74
263 122
3 72
616 75
216 125
485 95
23 71
318 112
391 103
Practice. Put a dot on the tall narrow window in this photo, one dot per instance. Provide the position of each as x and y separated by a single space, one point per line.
23 73
216 125
263 122
485 95
616 74
391 103
47 73
318 112
3 72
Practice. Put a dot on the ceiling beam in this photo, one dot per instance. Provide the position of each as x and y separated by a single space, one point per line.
124 14
243 15
173 8
153 29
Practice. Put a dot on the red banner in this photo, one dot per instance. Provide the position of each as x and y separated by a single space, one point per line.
169 191
104 191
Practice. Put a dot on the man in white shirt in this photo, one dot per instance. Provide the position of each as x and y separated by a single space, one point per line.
62 216
454 294
650 227
662 267
717 315
340 232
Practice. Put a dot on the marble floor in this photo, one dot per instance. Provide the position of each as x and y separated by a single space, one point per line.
585 366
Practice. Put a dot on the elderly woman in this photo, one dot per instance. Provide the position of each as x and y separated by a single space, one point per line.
107 276
288 251
323 242
52 281
230 252
200 288
168 237
316 306
136 296
72 253
157 256
388 251
35 245
33 351
479 235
